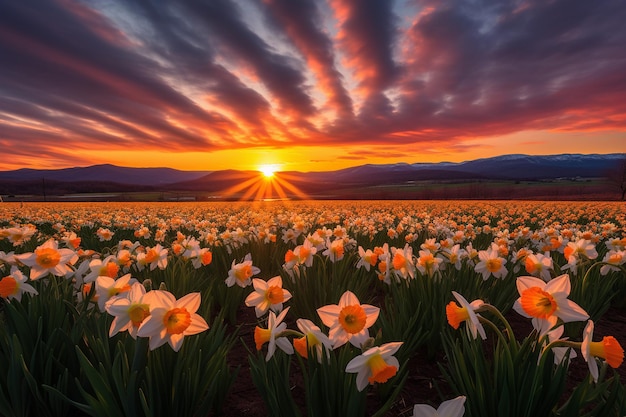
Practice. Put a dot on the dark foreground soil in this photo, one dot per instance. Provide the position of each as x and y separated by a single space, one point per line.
425 383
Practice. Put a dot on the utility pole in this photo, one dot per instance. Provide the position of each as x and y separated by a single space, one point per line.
43 184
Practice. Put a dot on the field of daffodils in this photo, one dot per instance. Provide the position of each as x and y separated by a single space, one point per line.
326 308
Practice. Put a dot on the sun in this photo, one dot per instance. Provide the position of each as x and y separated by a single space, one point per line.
267 183
268 171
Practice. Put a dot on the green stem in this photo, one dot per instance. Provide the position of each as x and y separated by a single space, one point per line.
493 327
584 285
559 343
141 354
498 314
289 332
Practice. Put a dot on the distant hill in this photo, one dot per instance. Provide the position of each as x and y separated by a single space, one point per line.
400 180
105 173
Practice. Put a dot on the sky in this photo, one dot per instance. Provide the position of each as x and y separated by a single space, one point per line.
307 85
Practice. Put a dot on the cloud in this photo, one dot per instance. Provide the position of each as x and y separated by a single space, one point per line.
303 23
204 76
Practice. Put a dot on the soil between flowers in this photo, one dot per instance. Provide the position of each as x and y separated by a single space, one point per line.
425 383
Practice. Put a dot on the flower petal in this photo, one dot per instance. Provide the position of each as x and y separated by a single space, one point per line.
259 284
254 298
560 284
176 341
329 314
524 283
197 325
452 408
569 311
348 299
191 302
424 410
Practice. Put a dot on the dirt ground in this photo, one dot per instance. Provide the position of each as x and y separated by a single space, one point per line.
425 378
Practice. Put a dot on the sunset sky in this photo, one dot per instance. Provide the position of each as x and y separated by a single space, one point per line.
307 85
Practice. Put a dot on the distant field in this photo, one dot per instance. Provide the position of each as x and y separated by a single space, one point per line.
588 189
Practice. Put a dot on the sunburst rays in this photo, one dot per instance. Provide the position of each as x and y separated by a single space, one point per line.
266 185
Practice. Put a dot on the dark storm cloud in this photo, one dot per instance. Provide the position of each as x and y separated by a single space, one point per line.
205 75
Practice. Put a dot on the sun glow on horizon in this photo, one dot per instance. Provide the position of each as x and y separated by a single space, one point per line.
268 171
270 184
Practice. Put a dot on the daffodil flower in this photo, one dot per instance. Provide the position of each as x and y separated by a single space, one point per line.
542 300
104 234
270 335
491 263
203 257
376 364
465 313
427 263
291 259
539 265
106 288
14 285
608 349
612 261
335 250
402 262
267 295
304 253
129 312
450 408
349 320
48 258
313 338
242 273
155 257
574 251
107 267
582 247
170 319
554 335
19 235
454 255
72 241
7 258
367 258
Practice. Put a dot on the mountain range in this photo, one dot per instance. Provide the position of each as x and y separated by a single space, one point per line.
512 168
